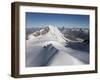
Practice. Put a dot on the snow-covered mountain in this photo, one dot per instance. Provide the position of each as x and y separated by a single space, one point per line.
48 47
50 33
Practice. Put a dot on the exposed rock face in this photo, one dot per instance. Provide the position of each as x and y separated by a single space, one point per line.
44 31
37 33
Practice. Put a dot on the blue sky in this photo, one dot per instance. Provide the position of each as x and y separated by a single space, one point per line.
59 20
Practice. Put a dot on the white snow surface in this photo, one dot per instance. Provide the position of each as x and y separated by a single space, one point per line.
53 35
49 50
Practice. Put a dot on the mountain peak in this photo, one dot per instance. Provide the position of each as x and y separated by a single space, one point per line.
49 33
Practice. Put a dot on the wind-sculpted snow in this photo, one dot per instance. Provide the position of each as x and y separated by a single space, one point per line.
41 55
49 47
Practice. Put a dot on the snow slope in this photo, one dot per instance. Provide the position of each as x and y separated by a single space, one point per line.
49 50
53 35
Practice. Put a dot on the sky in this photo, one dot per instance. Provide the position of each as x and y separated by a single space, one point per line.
67 20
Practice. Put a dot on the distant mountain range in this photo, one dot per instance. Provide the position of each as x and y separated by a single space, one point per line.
69 33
